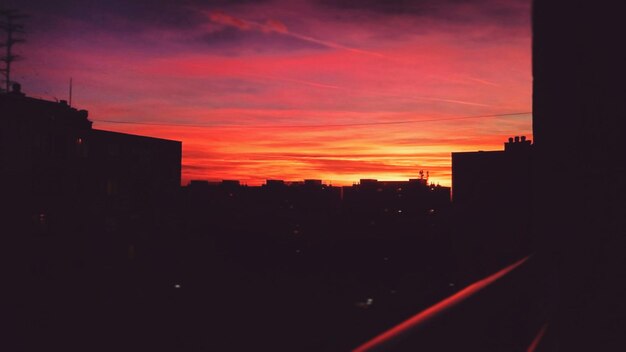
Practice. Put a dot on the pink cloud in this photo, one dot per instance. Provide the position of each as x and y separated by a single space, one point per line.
222 18
276 26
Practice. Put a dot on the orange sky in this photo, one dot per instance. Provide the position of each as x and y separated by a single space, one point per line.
298 89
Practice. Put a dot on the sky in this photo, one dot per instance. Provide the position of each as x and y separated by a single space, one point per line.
317 89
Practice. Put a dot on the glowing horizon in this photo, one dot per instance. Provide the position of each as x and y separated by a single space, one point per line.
234 80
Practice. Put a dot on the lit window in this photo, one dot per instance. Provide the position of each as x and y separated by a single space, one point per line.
111 187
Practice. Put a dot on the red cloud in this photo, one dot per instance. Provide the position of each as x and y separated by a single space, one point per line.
225 19
276 26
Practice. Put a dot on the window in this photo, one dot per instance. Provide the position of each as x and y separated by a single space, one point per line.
111 187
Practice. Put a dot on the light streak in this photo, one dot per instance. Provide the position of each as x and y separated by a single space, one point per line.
436 309
537 339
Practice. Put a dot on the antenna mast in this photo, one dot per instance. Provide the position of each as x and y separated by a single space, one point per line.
70 91
8 24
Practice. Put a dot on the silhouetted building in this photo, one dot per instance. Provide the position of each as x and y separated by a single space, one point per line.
134 163
133 181
493 179
578 113
313 183
313 210
491 195
82 189
274 183
393 208
401 197
231 183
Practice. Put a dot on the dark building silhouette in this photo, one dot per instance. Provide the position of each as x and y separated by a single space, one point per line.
491 179
277 208
133 185
394 209
412 198
311 209
578 111
76 192
87 219
491 195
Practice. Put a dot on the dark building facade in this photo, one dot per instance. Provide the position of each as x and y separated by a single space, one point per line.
491 195
493 178
275 209
70 191
412 198
395 209
578 111
311 209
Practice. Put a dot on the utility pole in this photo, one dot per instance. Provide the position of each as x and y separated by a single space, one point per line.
9 23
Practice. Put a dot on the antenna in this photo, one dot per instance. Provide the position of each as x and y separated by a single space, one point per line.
70 100
8 24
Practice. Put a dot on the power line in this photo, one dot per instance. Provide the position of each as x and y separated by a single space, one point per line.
400 122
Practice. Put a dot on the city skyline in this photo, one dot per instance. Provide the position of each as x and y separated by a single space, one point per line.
109 248
256 90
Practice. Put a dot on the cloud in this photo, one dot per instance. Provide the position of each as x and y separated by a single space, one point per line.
471 21
270 25
509 12
276 26
222 18
173 14
232 41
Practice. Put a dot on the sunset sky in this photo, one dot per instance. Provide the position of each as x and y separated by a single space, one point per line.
332 90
